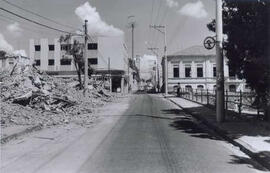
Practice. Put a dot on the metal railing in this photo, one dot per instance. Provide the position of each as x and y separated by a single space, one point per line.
234 101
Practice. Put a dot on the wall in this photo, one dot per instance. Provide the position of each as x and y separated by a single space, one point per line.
112 47
207 81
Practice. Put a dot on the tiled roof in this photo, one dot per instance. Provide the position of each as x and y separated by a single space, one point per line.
196 50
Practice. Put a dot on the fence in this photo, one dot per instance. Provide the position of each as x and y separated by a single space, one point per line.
235 101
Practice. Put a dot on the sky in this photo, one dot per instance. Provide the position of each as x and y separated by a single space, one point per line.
146 64
185 21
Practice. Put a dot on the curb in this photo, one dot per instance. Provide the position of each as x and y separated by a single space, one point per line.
16 135
261 158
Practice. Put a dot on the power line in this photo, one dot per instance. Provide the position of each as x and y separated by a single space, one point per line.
36 14
24 25
156 20
164 15
160 3
27 29
151 21
30 20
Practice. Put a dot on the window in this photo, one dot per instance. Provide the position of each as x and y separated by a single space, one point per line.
51 47
37 47
92 61
65 47
65 61
175 71
187 71
92 46
51 62
199 71
188 87
200 87
37 62
232 88
214 71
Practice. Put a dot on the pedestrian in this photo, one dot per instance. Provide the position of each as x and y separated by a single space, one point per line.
178 89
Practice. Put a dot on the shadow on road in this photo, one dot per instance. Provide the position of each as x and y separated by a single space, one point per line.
188 126
172 111
247 161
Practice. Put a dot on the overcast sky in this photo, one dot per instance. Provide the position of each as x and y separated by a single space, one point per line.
185 21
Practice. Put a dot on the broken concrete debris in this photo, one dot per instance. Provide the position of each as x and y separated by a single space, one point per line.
30 97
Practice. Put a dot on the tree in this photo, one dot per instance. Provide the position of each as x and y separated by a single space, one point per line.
76 51
132 65
246 25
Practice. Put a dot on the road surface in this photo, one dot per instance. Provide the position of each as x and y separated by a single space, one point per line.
140 134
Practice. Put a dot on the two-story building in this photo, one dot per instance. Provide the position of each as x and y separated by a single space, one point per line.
195 68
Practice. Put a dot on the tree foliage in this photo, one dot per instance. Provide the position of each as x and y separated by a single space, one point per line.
246 25
132 65
75 49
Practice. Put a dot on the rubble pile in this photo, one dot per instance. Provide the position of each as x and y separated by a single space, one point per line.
30 97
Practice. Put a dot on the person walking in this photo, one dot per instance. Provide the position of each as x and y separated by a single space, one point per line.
178 89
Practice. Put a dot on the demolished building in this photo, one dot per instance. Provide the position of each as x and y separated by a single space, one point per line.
106 55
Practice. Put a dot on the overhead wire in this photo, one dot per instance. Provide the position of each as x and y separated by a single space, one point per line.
161 22
35 22
27 29
24 25
36 14
151 22
41 24
155 23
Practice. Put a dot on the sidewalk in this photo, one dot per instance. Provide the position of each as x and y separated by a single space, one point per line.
16 131
251 136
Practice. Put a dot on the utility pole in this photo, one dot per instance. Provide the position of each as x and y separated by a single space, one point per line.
110 75
139 67
152 49
220 63
85 57
131 25
132 32
165 55
132 48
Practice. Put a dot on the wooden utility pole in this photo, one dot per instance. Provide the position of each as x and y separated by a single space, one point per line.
132 32
152 49
131 25
85 56
220 64
110 75
165 55
132 49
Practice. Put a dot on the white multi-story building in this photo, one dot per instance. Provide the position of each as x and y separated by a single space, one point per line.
50 56
195 68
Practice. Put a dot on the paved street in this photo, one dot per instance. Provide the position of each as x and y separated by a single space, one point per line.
150 134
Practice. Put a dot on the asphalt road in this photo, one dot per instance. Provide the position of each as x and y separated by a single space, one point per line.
148 135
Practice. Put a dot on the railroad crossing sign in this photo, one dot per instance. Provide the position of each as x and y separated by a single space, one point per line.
209 42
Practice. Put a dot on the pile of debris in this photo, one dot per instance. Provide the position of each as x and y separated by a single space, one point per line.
30 97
